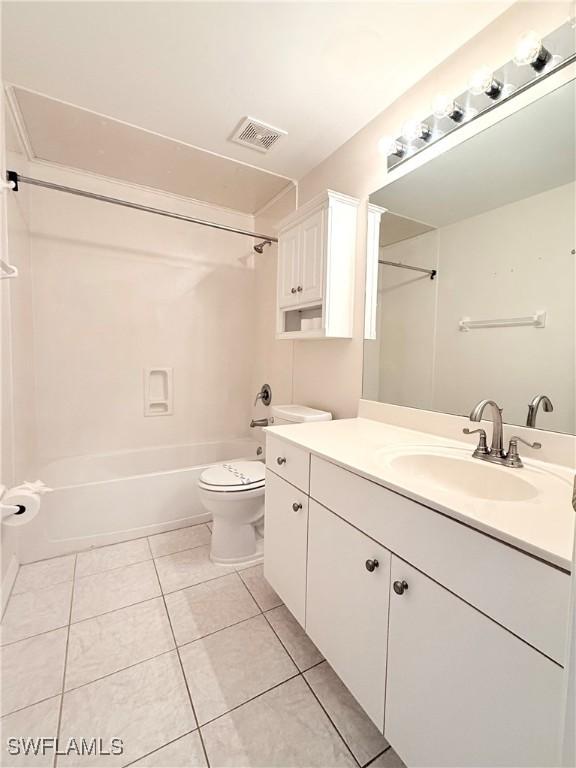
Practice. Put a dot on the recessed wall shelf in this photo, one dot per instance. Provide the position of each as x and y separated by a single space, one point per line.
535 321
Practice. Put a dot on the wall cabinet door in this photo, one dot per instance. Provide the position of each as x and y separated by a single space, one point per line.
347 605
311 272
289 267
461 690
286 536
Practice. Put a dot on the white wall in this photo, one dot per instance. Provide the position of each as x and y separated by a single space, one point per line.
509 262
116 291
274 358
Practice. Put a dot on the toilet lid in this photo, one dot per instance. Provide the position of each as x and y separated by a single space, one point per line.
234 475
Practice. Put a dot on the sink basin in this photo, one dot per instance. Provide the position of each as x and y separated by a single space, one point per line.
456 471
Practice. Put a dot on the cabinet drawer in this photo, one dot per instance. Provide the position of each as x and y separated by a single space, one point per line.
525 595
285 553
289 461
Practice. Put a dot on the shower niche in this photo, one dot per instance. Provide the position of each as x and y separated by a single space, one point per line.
158 390
316 260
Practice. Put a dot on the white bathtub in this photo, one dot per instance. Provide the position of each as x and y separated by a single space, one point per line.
108 498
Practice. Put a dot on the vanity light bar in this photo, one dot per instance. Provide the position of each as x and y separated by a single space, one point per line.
534 60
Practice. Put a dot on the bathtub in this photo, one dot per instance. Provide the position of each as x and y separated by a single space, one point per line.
103 499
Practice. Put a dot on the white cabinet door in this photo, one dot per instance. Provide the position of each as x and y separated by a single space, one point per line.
347 605
286 536
311 272
289 267
461 690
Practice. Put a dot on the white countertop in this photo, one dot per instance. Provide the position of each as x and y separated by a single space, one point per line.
542 526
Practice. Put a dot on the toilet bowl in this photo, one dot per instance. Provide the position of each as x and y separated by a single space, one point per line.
234 493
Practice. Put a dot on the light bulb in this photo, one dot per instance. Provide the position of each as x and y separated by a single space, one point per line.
530 50
483 81
388 145
445 106
414 129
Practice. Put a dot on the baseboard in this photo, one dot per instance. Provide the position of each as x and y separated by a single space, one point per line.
8 580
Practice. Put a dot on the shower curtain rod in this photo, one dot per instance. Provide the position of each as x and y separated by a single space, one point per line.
14 179
431 272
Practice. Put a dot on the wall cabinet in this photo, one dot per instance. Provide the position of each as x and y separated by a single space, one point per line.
436 664
347 599
316 258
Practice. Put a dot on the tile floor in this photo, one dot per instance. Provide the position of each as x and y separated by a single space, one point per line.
189 663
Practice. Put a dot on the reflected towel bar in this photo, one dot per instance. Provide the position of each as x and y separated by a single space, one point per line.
431 272
535 321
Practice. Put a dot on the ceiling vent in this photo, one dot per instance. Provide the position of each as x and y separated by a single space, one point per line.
256 135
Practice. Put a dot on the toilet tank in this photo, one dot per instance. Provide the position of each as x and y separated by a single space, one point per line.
297 414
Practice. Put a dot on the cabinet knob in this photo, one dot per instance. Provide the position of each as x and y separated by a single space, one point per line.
299 289
371 565
292 290
400 587
281 460
296 506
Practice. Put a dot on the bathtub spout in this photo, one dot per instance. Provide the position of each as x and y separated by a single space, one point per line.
261 423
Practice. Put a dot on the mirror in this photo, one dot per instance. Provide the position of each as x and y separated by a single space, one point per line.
495 217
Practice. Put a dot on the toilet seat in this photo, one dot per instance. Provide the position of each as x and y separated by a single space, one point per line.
233 477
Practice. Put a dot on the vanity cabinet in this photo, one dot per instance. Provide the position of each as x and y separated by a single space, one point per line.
453 643
461 690
286 543
316 258
347 600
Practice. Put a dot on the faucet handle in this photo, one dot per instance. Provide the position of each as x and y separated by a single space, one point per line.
512 457
482 447
514 440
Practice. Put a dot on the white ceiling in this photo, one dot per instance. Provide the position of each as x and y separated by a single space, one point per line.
77 138
190 71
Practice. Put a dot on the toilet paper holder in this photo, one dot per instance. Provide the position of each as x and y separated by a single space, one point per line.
11 509
27 488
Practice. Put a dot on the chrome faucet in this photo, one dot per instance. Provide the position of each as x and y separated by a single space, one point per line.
533 406
496 454
497 447
262 422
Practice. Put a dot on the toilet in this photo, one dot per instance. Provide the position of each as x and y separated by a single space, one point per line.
233 492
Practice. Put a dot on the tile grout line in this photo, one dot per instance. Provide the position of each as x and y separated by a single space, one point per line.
138 602
370 762
149 658
65 668
106 570
153 752
181 664
313 692
114 544
252 698
28 706
348 747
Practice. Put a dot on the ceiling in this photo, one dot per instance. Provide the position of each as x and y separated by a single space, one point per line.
191 70
57 133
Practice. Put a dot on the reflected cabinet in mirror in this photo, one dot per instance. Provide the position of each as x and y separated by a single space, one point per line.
491 224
